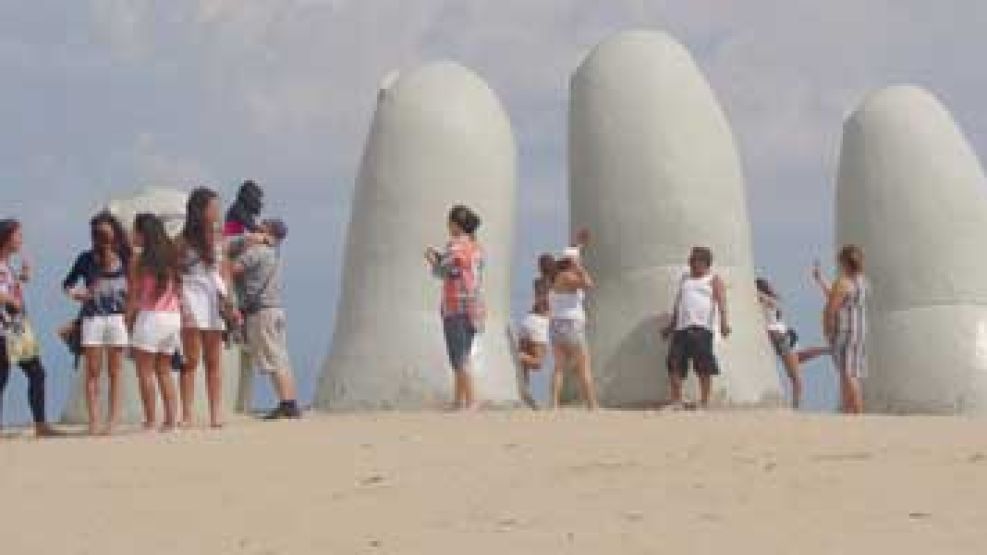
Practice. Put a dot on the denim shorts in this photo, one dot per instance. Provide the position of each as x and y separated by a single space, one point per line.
570 333
459 333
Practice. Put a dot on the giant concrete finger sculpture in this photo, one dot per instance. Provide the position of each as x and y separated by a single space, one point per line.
439 137
654 172
912 195
169 204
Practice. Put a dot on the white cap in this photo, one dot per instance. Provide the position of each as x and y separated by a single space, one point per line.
570 253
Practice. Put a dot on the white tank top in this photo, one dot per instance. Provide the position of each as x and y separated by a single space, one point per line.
567 306
695 303
772 314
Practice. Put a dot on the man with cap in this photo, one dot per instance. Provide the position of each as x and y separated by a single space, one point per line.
257 274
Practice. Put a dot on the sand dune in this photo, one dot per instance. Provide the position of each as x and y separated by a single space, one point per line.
612 482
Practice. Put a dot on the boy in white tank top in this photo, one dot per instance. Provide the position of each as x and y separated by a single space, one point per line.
700 308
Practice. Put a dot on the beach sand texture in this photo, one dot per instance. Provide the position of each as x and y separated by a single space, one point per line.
507 482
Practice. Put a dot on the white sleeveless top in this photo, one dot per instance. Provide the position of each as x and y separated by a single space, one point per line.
567 306
534 328
695 303
772 314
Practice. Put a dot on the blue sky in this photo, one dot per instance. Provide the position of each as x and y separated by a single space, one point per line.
100 97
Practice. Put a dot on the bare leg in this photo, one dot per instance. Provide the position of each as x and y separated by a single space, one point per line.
853 402
526 395
705 389
675 387
284 385
791 361
166 385
812 353
531 357
458 396
561 363
192 351
212 347
145 380
114 361
465 381
528 360
94 362
585 377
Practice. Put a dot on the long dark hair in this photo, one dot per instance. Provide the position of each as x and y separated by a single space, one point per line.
120 246
158 256
247 206
764 287
197 235
7 229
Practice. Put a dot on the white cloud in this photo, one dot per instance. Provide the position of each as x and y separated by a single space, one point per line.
125 25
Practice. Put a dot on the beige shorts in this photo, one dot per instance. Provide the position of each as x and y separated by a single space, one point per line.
267 341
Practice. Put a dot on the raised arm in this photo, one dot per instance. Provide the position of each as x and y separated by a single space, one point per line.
583 279
820 280
581 240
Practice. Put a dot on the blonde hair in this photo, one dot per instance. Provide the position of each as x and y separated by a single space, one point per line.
851 258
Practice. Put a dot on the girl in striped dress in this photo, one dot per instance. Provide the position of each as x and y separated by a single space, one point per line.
845 325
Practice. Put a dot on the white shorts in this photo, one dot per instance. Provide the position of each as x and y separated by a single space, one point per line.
158 332
200 306
534 328
105 331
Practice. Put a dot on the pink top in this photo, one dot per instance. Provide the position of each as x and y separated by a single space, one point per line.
148 300
233 228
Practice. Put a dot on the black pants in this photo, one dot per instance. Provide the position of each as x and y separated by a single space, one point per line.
35 373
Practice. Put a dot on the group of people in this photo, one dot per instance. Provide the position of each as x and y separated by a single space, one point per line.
556 322
169 303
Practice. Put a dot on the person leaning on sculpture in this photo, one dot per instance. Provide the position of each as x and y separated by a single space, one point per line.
700 300
567 328
256 271
784 339
533 340
460 267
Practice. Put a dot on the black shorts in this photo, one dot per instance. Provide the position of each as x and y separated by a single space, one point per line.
459 333
695 345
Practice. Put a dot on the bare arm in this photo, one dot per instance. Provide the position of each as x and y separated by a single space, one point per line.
133 285
670 327
581 240
224 264
817 276
720 298
10 300
583 279
834 300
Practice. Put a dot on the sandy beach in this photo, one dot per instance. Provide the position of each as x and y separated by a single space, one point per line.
507 482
